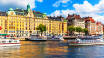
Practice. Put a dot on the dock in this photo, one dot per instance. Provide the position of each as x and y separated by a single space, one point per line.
70 37
22 38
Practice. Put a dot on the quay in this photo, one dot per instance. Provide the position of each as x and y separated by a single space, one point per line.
22 38
65 37
70 37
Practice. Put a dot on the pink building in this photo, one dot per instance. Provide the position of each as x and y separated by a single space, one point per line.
99 28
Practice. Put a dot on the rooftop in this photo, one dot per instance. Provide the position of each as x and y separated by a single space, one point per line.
73 16
89 19
58 18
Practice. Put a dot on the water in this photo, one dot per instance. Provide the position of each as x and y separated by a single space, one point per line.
51 49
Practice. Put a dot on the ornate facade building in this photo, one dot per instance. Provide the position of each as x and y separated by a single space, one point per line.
20 22
76 21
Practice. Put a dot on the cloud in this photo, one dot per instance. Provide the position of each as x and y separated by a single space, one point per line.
6 4
57 3
21 3
86 9
62 12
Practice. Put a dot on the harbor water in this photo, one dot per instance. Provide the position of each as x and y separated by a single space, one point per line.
51 49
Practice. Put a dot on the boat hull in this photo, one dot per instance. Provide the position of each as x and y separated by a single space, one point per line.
36 39
9 44
100 43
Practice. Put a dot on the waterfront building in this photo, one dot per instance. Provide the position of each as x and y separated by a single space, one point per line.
90 25
76 21
58 23
94 28
20 22
99 28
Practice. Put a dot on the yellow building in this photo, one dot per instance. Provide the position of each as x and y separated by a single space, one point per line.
21 22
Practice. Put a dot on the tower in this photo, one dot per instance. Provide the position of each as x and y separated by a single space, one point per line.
28 8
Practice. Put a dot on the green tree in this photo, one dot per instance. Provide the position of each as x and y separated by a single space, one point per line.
41 28
78 29
85 30
71 29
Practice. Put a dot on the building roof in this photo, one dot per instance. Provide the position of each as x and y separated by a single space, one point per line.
73 16
99 23
3 13
11 9
58 18
39 14
21 12
89 19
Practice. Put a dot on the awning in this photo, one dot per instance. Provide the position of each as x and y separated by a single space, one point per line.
3 34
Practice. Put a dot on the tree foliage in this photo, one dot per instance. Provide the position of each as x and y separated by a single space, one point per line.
78 29
85 30
41 28
71 29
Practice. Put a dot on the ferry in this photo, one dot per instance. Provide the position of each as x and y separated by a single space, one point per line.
55 38
9 42
35 37
88 40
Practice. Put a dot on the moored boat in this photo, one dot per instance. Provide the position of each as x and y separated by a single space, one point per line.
35 37
55 38
94 40
9 42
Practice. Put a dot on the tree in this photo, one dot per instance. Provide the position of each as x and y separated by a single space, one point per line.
78 29
71 29
41 28
85 30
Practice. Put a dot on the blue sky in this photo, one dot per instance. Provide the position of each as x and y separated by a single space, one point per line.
48 6
93 8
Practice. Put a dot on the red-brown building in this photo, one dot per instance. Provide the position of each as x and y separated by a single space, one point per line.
94 28
99 28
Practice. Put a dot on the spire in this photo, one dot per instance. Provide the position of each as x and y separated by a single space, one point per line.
28 7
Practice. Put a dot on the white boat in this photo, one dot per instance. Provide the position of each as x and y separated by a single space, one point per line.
9 42
55 38
35 37
98 40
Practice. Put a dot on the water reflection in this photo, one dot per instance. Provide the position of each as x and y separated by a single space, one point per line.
51 49
8 52
86 52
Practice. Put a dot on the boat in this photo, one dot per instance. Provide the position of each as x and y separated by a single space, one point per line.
36 37
9 42
87 40
55 38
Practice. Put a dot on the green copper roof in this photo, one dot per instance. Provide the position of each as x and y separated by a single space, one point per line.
11 9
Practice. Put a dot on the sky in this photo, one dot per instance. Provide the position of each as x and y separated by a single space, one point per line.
85 8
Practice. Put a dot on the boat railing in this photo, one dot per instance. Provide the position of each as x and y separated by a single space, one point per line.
87 41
